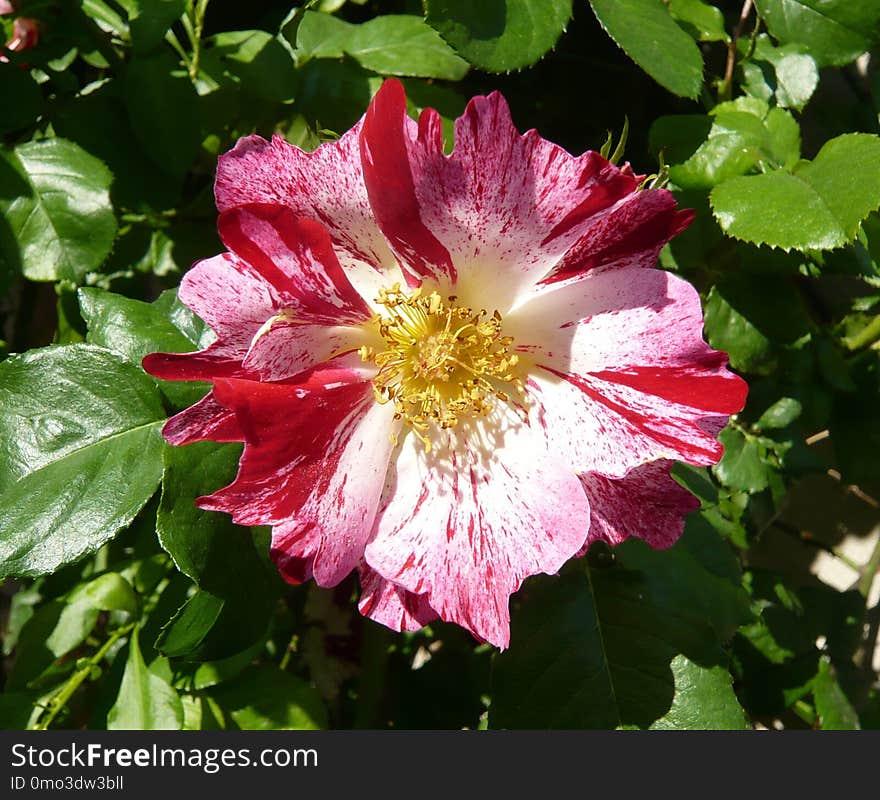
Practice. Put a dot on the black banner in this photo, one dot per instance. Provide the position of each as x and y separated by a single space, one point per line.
416 764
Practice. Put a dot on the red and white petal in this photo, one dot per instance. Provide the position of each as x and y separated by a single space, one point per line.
612 320
207 419
466 523
326 185
621 375
605 428
218 360
391 605
235 301
313 467
504 210
281 349
232 297
647 503
390 150
631 233
295 255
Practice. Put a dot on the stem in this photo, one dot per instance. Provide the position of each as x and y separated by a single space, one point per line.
201 6
871 568
289 651
60 699
804 538
851 488
725 90
805 711
865 337
172 39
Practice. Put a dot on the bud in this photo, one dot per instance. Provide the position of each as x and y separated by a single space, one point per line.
25 34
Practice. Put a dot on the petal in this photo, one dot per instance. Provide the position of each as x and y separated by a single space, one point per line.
313 466
504 210
232 297
279 305
326 185
296 256
465 524
207 419
395 607
622 375
219 360
235 301
282 349
387 153
647 503
629 234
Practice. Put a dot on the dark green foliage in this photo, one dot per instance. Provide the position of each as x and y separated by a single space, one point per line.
126 606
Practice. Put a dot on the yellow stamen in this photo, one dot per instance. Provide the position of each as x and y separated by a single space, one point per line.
443 362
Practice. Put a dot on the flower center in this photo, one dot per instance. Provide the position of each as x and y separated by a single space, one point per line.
442 362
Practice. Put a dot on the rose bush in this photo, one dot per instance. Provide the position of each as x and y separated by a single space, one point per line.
486 387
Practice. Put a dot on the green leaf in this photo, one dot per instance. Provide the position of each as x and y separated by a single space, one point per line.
150 19
163 107
777 655
107 18
500 35
21 609
189 627
220 557
60 626
56 201
133 329
22 99
601 647
145 701
79 454
209 673
256 60
265 698
781 414
729 330
51 633
702 20
742 466
99 123
320 36
393 44
108 592
834 31
334 94
817 206
788 75
734 139
704 700
832 705
648 34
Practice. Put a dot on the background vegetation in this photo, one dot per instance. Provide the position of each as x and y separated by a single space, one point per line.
126 607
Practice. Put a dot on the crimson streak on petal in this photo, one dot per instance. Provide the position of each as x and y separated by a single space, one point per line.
465 527
647 503
313 466
388 176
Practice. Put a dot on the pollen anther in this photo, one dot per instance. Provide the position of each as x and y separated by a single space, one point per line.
442 363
